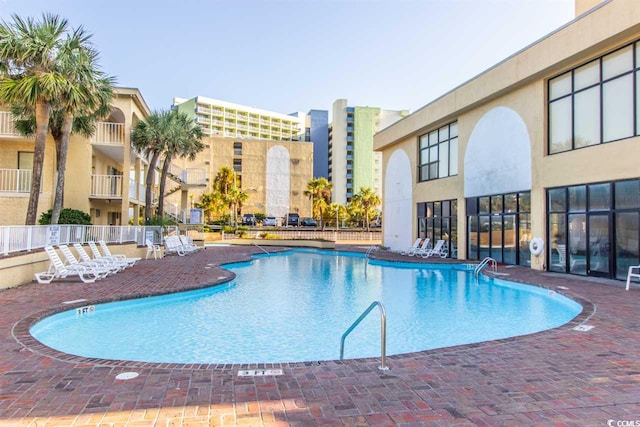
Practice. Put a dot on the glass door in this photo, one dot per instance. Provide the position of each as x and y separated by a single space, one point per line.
599 245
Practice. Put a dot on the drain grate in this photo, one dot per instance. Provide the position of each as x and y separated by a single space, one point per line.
583 328
127 376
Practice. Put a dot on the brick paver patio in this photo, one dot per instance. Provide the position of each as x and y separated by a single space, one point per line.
558 377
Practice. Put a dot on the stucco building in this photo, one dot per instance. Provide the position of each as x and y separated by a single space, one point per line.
104 177
353 163
544 144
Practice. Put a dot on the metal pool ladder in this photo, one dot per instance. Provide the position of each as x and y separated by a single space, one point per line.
383 333
261 248
487 261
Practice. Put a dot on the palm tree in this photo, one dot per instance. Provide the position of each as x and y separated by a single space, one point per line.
212 204
367 201
235 198
151 136
224 180
319 192
184 141
31 55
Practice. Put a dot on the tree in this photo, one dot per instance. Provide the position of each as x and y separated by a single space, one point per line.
150 136
213 204
32 55
224 180
235 198
184 139
367 202
319 192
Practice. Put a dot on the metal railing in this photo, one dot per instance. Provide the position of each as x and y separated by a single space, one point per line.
261 248
383 333
109 133
330 235
21 238
492 263
6 124
106 185
15 180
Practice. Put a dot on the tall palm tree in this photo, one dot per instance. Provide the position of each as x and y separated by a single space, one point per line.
319 192
367 201
184 141
88 94
31 54
150 136
235 198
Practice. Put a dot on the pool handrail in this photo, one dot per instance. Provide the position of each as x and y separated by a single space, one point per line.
383 333
261 248
493 264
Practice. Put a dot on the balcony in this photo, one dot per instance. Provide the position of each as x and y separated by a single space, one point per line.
349 138
203 110
6 124
109 133
15 180
217 112
108 186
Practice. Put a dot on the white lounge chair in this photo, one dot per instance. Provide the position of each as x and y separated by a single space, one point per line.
98 255
187 244
104 262
154 250
634 271
70 259
107 252
57 270
424 248
172 245
413 247
439 250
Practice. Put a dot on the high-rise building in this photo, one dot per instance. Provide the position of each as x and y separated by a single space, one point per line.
352 162
221 118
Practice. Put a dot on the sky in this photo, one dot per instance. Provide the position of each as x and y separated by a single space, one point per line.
298 55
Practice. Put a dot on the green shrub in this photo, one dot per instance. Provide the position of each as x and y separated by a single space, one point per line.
67 216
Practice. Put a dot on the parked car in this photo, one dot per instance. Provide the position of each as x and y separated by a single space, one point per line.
248 219
270 221
309 222
293 219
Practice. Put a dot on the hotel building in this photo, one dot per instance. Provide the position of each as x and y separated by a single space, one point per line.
544 144
353 164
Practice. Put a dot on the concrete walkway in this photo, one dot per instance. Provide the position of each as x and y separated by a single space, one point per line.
558 377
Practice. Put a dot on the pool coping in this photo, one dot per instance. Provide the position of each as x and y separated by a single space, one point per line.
21 328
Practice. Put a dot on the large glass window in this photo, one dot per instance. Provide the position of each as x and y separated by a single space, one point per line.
499 226
438 153
594 229
596 102
438 221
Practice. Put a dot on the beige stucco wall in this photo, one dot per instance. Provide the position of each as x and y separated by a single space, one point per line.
21 269
254 165
520 83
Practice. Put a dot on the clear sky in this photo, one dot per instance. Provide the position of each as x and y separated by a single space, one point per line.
297 55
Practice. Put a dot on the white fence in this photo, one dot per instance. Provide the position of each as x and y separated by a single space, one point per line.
6 124
20 238
331 235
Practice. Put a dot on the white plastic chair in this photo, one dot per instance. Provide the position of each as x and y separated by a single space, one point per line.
154 250
631 274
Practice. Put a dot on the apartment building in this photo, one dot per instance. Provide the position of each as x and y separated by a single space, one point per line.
271 153
229 120
352 162
104 177
316 130
543 145
273 173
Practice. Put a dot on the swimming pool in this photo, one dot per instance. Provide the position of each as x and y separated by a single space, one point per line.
295 306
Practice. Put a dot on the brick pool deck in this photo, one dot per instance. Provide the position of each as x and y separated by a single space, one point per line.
557 377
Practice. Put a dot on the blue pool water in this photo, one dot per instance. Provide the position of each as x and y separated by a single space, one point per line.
296 306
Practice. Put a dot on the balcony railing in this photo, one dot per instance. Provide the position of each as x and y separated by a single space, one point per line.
15 180
191 176
109 133
6 124
106 186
